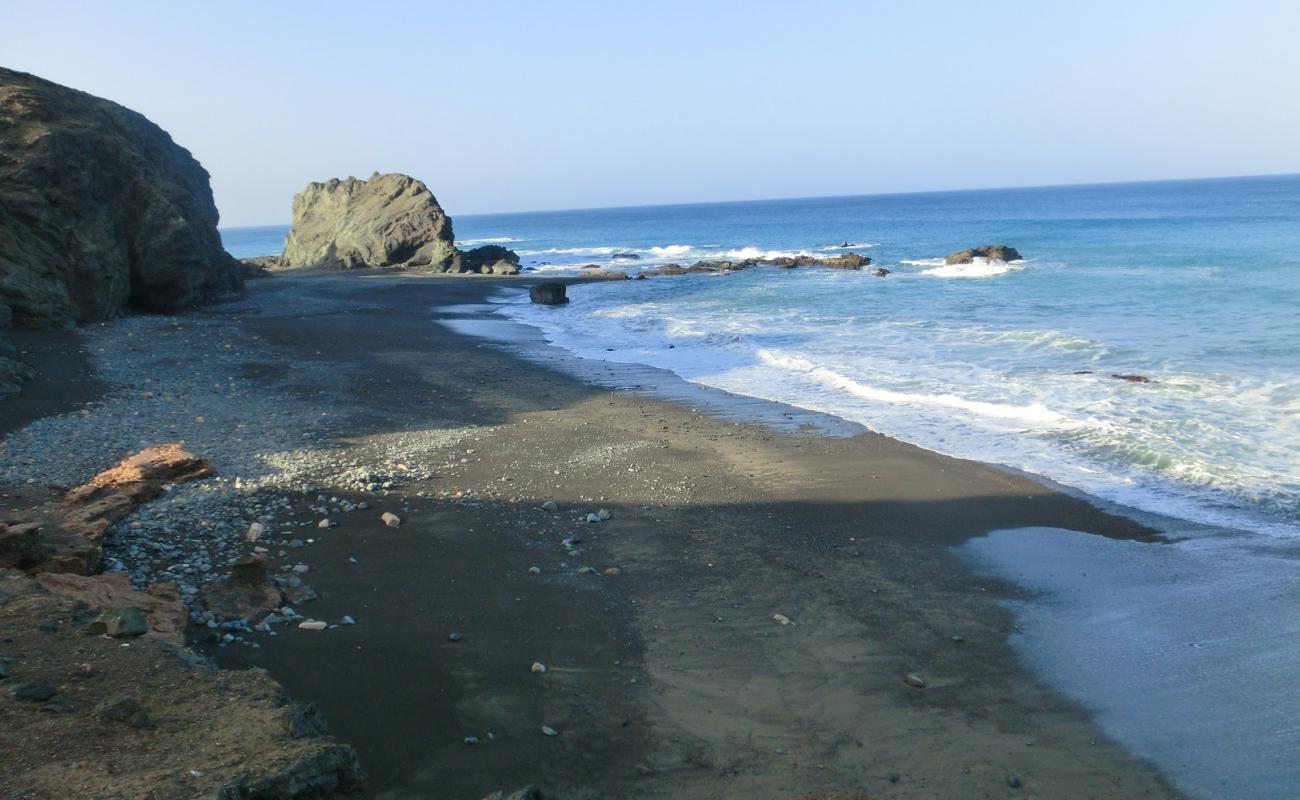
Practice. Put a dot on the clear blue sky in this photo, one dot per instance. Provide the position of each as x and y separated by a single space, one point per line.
503 106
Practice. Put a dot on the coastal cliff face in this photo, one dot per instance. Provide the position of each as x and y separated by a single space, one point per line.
387 221
100 211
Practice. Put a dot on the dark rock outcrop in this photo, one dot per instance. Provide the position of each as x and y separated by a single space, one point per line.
490 259
390 220
548 294
851 261
100 211
993 252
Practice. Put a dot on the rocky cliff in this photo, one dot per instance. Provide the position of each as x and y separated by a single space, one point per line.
100 211
388 220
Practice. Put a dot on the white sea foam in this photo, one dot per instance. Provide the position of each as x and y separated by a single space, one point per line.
1035 415
979 268
671 251
487 240
574 251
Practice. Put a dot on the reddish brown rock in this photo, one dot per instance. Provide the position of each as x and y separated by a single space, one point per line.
247 594
160 604
115 492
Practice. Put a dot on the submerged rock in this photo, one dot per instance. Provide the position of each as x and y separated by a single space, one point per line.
993 252
100 211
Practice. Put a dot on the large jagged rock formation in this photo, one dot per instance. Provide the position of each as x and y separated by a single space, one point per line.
388 220
100 211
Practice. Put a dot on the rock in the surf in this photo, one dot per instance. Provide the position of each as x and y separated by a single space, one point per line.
992 252
100 211
548 294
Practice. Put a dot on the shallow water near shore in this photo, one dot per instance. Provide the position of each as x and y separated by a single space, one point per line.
1185 651
1182 648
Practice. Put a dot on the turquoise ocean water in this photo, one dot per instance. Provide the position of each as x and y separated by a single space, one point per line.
1193 284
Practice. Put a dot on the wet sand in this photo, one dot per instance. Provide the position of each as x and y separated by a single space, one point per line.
671 679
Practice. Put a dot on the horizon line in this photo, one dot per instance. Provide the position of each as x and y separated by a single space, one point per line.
842 196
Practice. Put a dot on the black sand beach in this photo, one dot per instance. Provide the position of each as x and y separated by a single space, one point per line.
668 670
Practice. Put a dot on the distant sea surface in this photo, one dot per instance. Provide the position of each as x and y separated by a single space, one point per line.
1194 285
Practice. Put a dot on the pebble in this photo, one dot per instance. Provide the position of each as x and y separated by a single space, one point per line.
534 570
347 620
453 637
325 523
957 637
613 572
37 691
312 625
605 514
471 740
538 667
782 619
550 505
254 532
586 570
391 520
547 730
593 518
1013 781
914 680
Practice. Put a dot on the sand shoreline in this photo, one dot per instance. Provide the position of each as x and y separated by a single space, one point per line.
670 678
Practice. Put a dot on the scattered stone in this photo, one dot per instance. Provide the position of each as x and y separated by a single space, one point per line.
453 637
124 709
550 505
605 514
325 523
391 520
255 532
586 570
538 667
613 572
347 620
119 623
547 730
1013 781
957 637
914 680
782 619
534 570
894 777
593 518
313 625
471 740
37 691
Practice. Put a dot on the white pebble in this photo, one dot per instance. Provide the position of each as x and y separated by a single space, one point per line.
391 520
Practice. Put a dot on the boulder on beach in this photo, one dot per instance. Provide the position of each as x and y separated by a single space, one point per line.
992 252
490 259
100 211
389 220
548 294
